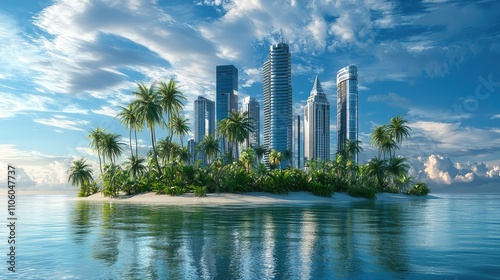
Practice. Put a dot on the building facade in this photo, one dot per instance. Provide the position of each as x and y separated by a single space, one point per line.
277 91
347 106
226 95
204 120
317 125
248 104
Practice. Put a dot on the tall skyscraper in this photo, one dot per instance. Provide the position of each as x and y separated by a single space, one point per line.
297 138
277 90
317 124
248 104
204 120
347 106
226 90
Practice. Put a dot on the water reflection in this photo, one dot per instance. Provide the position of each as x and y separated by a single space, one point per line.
232 242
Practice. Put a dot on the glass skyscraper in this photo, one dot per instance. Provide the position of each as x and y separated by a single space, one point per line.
226 96
317 124
347 106
204 118
277 91
204 121
248 104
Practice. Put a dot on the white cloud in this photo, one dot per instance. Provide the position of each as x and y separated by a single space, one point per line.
106 111
38 170
63 122
451 139
439 170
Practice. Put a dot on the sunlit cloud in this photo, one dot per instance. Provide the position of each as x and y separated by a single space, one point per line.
63 122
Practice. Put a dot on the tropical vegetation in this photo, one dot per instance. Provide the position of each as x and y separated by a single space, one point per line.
172 168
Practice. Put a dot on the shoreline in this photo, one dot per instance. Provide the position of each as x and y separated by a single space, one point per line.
244 198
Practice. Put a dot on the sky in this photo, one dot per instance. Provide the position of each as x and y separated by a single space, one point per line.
66 67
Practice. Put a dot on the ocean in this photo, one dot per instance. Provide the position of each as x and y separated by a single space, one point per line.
445 236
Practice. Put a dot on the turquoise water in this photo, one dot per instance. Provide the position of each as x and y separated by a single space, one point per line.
447 237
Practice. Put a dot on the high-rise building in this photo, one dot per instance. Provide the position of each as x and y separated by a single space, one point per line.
277 91
347 107
248 104
226 90
204 119
191 146
297 140
317 124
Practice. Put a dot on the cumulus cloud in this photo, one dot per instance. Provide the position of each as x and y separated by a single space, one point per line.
440 170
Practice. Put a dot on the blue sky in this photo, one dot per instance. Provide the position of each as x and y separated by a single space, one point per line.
66 66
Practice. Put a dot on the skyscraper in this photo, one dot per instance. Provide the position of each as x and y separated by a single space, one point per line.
204 120
317 124
277 90
347 106
248 104
226 96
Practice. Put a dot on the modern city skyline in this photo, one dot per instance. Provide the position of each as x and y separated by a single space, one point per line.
250 105
86 70
347 107
317 124
277 91
226 92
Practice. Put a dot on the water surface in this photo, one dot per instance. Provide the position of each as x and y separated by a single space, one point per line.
448 237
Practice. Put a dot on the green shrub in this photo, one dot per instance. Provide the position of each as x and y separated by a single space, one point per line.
199 191
277 182
175 190
320 189
419 189
365 191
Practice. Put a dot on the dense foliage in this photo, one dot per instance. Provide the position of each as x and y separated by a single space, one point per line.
170 168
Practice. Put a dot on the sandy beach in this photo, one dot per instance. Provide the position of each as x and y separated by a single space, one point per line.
243 198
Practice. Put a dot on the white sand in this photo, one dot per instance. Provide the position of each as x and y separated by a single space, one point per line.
244 198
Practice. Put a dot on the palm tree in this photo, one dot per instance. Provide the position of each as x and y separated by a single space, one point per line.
111 146
136 166
352 148
379 135
236 128
389 146
166 148
397 168
209 146
96 136
80 175
184 155
288 155
222 130
171 99
259 152
129 118
275 158
398 129
149 113
377 167
247 158
180 127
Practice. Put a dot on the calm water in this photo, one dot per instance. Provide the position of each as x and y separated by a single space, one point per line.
449 237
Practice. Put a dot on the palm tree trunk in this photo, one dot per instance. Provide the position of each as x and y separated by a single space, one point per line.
100 165
135 132
155 156
130 142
